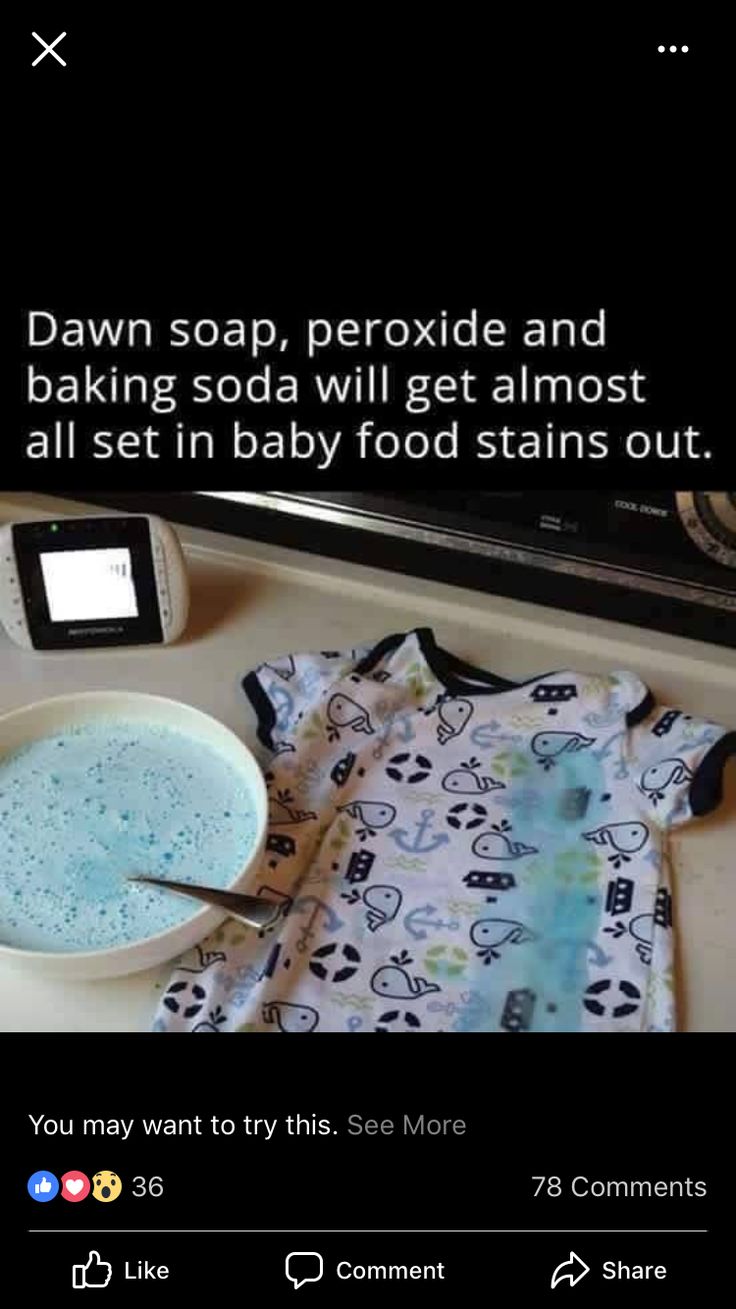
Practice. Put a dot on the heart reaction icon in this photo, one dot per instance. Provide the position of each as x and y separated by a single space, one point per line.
75 1186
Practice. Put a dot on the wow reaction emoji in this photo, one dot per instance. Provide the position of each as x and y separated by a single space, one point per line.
106 1187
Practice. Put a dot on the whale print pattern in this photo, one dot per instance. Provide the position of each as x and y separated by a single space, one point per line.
496 845
466 781
453 851
383 904
454 718
658 777
625 838
394 983
343 711
548 746
489 934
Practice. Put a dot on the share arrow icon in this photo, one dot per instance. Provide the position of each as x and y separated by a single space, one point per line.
573 1270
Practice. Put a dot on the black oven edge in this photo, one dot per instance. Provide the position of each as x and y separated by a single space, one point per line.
577 594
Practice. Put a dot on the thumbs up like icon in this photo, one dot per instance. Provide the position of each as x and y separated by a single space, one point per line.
42 1186
96 1272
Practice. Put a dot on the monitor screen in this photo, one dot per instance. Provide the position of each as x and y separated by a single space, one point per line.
89 584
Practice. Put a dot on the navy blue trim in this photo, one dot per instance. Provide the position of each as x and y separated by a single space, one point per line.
641 711
706 788
450 670
384 647
264 710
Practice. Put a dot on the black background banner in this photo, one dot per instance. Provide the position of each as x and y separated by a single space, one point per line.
175 169
219 164
583 1113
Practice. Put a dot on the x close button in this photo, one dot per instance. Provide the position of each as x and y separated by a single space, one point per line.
49 49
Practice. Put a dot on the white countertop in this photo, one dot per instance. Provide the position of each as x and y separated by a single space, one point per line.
251 600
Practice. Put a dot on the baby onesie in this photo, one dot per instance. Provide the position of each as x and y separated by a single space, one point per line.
451 851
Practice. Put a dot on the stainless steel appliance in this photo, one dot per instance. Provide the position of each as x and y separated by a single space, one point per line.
664 560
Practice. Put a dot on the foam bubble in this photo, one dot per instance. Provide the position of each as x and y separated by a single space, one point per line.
122 799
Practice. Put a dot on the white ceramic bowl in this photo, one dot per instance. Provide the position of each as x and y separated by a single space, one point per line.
23 726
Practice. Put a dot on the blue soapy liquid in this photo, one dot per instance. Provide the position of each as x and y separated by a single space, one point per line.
83 810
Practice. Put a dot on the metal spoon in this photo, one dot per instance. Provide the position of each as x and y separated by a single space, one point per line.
253 910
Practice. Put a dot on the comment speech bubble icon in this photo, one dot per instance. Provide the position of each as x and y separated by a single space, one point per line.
304 1266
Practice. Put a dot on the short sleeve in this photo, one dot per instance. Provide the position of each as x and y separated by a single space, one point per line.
280 689
678 764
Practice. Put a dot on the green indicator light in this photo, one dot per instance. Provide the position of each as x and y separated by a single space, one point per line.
54 527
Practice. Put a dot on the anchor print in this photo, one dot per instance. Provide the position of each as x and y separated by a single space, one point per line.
548 745
474 1012
621 770
454 717
371 813
465 780
625 839
344 712
489 934
417 844
426 917
404 734
491 736
656 779
472 1001
314 908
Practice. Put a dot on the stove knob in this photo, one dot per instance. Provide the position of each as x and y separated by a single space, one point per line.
709 518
